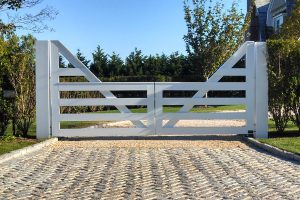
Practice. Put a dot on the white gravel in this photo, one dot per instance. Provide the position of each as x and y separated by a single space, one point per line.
181 123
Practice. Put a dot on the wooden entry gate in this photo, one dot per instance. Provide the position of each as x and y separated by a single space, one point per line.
154 120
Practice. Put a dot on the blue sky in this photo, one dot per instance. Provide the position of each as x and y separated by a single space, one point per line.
154 26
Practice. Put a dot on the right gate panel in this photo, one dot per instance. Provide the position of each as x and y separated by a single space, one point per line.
177 114
225 104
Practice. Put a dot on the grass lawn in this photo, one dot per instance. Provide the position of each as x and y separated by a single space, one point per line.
18 143
288 141
8 146
291 144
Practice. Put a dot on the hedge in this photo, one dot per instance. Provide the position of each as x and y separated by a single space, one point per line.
284 75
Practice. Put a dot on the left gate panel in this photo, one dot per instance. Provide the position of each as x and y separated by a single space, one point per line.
146 117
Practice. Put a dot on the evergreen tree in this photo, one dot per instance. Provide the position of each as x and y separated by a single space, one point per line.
176 63
99 65
62 63
150 66
115 64
135 63
82 58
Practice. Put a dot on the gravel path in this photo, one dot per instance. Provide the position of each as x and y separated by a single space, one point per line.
181 123
214 168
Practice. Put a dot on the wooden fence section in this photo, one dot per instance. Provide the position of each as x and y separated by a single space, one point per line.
154 120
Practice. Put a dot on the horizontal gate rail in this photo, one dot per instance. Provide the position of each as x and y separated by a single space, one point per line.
226 86
103 102
204 116
106 116
96 132
70 72
202 101
94 86
202 131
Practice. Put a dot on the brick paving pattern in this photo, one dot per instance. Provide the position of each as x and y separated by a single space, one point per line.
149 170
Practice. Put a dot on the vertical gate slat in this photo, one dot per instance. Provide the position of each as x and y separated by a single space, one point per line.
250 92
55 96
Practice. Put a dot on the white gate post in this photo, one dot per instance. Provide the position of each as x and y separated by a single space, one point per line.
261 91
43 122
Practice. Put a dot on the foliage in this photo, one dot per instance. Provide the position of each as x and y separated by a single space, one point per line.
5 113
8 138
18 60
114 65
82 58
5 105
138 67
26 21
213 33
135 63
99 65
283 71
291 27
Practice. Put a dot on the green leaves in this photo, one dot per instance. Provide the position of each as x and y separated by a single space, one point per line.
17 66
213 34
284 72
291 27
99 64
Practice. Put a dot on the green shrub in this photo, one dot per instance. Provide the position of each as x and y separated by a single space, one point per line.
283 72
17 60
5 104
8 138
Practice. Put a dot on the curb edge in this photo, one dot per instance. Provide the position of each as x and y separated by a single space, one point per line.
273 150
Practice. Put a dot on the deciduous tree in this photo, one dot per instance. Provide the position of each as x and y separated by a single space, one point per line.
214 33
28 21
18 60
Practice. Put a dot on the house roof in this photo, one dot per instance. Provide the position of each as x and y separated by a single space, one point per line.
277 5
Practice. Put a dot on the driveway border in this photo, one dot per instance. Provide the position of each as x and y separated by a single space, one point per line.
273 150
26 150
38 146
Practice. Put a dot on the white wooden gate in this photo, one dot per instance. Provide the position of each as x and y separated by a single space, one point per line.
154 121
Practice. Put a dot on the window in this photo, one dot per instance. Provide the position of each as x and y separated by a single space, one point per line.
278 21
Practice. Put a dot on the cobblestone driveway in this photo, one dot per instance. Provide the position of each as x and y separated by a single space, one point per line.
215 169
